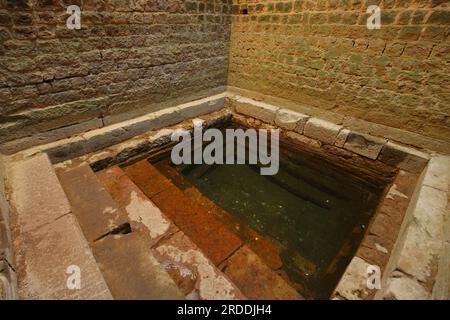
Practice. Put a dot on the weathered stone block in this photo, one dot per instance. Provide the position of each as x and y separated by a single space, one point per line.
322 130
438 173
37 195
96 211
291 120
353 284
147 280
403 157
404 288
342 138
191 110
255 279
190 265
365 145
425 236
44 255
256 109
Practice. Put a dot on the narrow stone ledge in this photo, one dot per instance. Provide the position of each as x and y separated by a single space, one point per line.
438 173
256 109
425 235
298 138
404 158
322 130
364 145
291 120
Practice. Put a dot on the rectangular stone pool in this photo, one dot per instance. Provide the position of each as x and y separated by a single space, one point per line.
306 222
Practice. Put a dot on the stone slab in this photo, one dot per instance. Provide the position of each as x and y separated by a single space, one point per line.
404 288
96 211
43 257
142 212
256 109
36 194
291 120
322 130
213 238
364 145
438 173
131 270
353 284
403 157
425 236
255 279
190 266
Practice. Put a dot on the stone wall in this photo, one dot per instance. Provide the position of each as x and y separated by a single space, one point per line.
7 273
130 57
321 54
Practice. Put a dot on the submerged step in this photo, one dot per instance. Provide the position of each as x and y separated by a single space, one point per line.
210 235
96 211
256 280
154 235
48 243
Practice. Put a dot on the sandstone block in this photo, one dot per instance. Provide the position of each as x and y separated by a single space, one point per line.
365 145
291 120
256 109
322 130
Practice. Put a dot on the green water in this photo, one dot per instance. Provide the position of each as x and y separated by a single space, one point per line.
310 208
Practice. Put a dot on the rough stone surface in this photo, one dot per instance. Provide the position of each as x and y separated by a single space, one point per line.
425 235
298 138
96 211
404 288
403 157
321 54
438 173
322 130
36 192
43 256
353 284
191 110
291 120
255 109
342 138
131 270
255 279
188 264
365 145
128 59
142 212
209 234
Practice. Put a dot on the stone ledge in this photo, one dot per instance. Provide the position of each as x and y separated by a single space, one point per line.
114 133
419 250
364 145
322 130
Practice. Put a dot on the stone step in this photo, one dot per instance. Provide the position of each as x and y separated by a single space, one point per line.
264 247
194 274
123 254
209 234
49 245
189 209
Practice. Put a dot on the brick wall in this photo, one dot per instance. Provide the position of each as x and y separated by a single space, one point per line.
321 53
130 57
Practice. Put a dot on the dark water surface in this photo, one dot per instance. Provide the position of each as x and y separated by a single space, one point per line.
314 211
